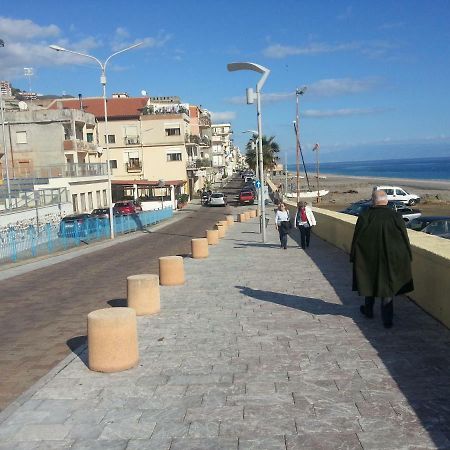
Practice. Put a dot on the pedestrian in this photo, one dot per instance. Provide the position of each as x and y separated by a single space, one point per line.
282 224
381 257
304 220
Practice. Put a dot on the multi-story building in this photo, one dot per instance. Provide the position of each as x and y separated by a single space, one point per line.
49 152
147 149
5 88
222 148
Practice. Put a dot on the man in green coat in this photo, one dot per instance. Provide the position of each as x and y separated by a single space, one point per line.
381 257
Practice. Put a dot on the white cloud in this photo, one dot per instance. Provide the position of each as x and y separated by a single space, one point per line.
370 48
122 39
322 88
223 116
27 45
344 112
24 29
281 51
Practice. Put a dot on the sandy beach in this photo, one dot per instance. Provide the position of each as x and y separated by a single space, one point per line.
344 190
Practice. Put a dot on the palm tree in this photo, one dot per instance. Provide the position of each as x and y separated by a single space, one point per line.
270 150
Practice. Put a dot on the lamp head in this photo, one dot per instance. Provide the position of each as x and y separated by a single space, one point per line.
57 48
301 91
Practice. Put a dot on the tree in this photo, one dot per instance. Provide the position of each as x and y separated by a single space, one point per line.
270 152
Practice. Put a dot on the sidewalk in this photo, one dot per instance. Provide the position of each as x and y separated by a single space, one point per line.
261 349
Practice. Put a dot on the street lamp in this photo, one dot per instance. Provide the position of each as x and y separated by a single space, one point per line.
254 143
103 83
2 110
298 92
251 96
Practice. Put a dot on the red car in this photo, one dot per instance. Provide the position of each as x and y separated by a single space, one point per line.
246 197
127 207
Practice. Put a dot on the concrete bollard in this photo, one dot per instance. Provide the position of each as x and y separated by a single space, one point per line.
221 230
199 248
230 220
247 215
252 213
143 293
212 236
242 217
224 223
171 270
112 339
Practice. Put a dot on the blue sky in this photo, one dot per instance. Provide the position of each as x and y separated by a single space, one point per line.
378 73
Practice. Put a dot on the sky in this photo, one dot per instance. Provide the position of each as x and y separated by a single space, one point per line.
377 73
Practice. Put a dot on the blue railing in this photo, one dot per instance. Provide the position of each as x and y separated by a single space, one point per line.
29 242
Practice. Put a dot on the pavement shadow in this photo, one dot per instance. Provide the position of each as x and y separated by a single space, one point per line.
414 352
78 346
118 302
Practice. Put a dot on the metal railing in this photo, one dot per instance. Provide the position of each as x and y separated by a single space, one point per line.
18 243
58 171
133 167
30 199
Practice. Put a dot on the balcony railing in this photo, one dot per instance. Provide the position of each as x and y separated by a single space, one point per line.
57 171
132 140
169 109
204 121
81 146
198 163
133 167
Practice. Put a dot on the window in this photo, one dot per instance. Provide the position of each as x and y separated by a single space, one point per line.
90 201
75 202
400 192
99 199
21 137
174 157
111 138
83 201
173 132
90 137
389 191
113 163
105 198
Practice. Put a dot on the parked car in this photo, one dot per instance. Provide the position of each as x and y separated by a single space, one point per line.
100 213
398 193
355 209
217 199
438 228
421 222
76 225
246 196
127 207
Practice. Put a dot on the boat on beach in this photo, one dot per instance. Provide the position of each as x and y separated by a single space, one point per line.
307 194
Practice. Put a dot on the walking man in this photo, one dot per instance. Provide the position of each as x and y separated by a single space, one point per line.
381 257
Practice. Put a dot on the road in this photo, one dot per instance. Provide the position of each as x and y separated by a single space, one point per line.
43 312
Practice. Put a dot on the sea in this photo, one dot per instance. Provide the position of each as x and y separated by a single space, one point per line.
419 168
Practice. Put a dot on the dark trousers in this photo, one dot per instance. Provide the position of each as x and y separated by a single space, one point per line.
387 308
283 237
305 235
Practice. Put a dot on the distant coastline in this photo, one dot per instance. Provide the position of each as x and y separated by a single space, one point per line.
430 169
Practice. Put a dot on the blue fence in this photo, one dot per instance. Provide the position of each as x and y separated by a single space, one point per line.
29 242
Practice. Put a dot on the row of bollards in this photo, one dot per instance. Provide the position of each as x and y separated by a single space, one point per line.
112 332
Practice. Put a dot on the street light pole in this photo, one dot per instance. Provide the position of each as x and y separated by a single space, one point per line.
103 83
2 109
250 98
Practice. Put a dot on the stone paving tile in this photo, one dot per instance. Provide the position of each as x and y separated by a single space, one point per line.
245 361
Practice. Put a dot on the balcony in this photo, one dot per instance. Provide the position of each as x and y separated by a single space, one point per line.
133 167
204 121
131 140
198 163
80 146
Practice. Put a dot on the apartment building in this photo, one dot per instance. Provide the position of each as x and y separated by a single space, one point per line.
223 150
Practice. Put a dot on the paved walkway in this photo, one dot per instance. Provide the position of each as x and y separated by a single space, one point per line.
261 349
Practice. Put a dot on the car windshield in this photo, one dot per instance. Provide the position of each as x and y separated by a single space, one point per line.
217 195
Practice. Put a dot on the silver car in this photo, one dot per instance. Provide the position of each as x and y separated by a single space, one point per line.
218 199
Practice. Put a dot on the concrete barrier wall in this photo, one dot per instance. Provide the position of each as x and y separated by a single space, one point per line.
431 260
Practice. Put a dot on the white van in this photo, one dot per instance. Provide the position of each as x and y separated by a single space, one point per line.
399 194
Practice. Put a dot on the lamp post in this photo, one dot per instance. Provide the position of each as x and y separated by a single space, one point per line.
298 92
254 144
316 148
251 96
103 83
2 110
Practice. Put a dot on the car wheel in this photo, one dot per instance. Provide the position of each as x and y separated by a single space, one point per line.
412 202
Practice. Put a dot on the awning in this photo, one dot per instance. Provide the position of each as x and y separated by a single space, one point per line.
148 182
